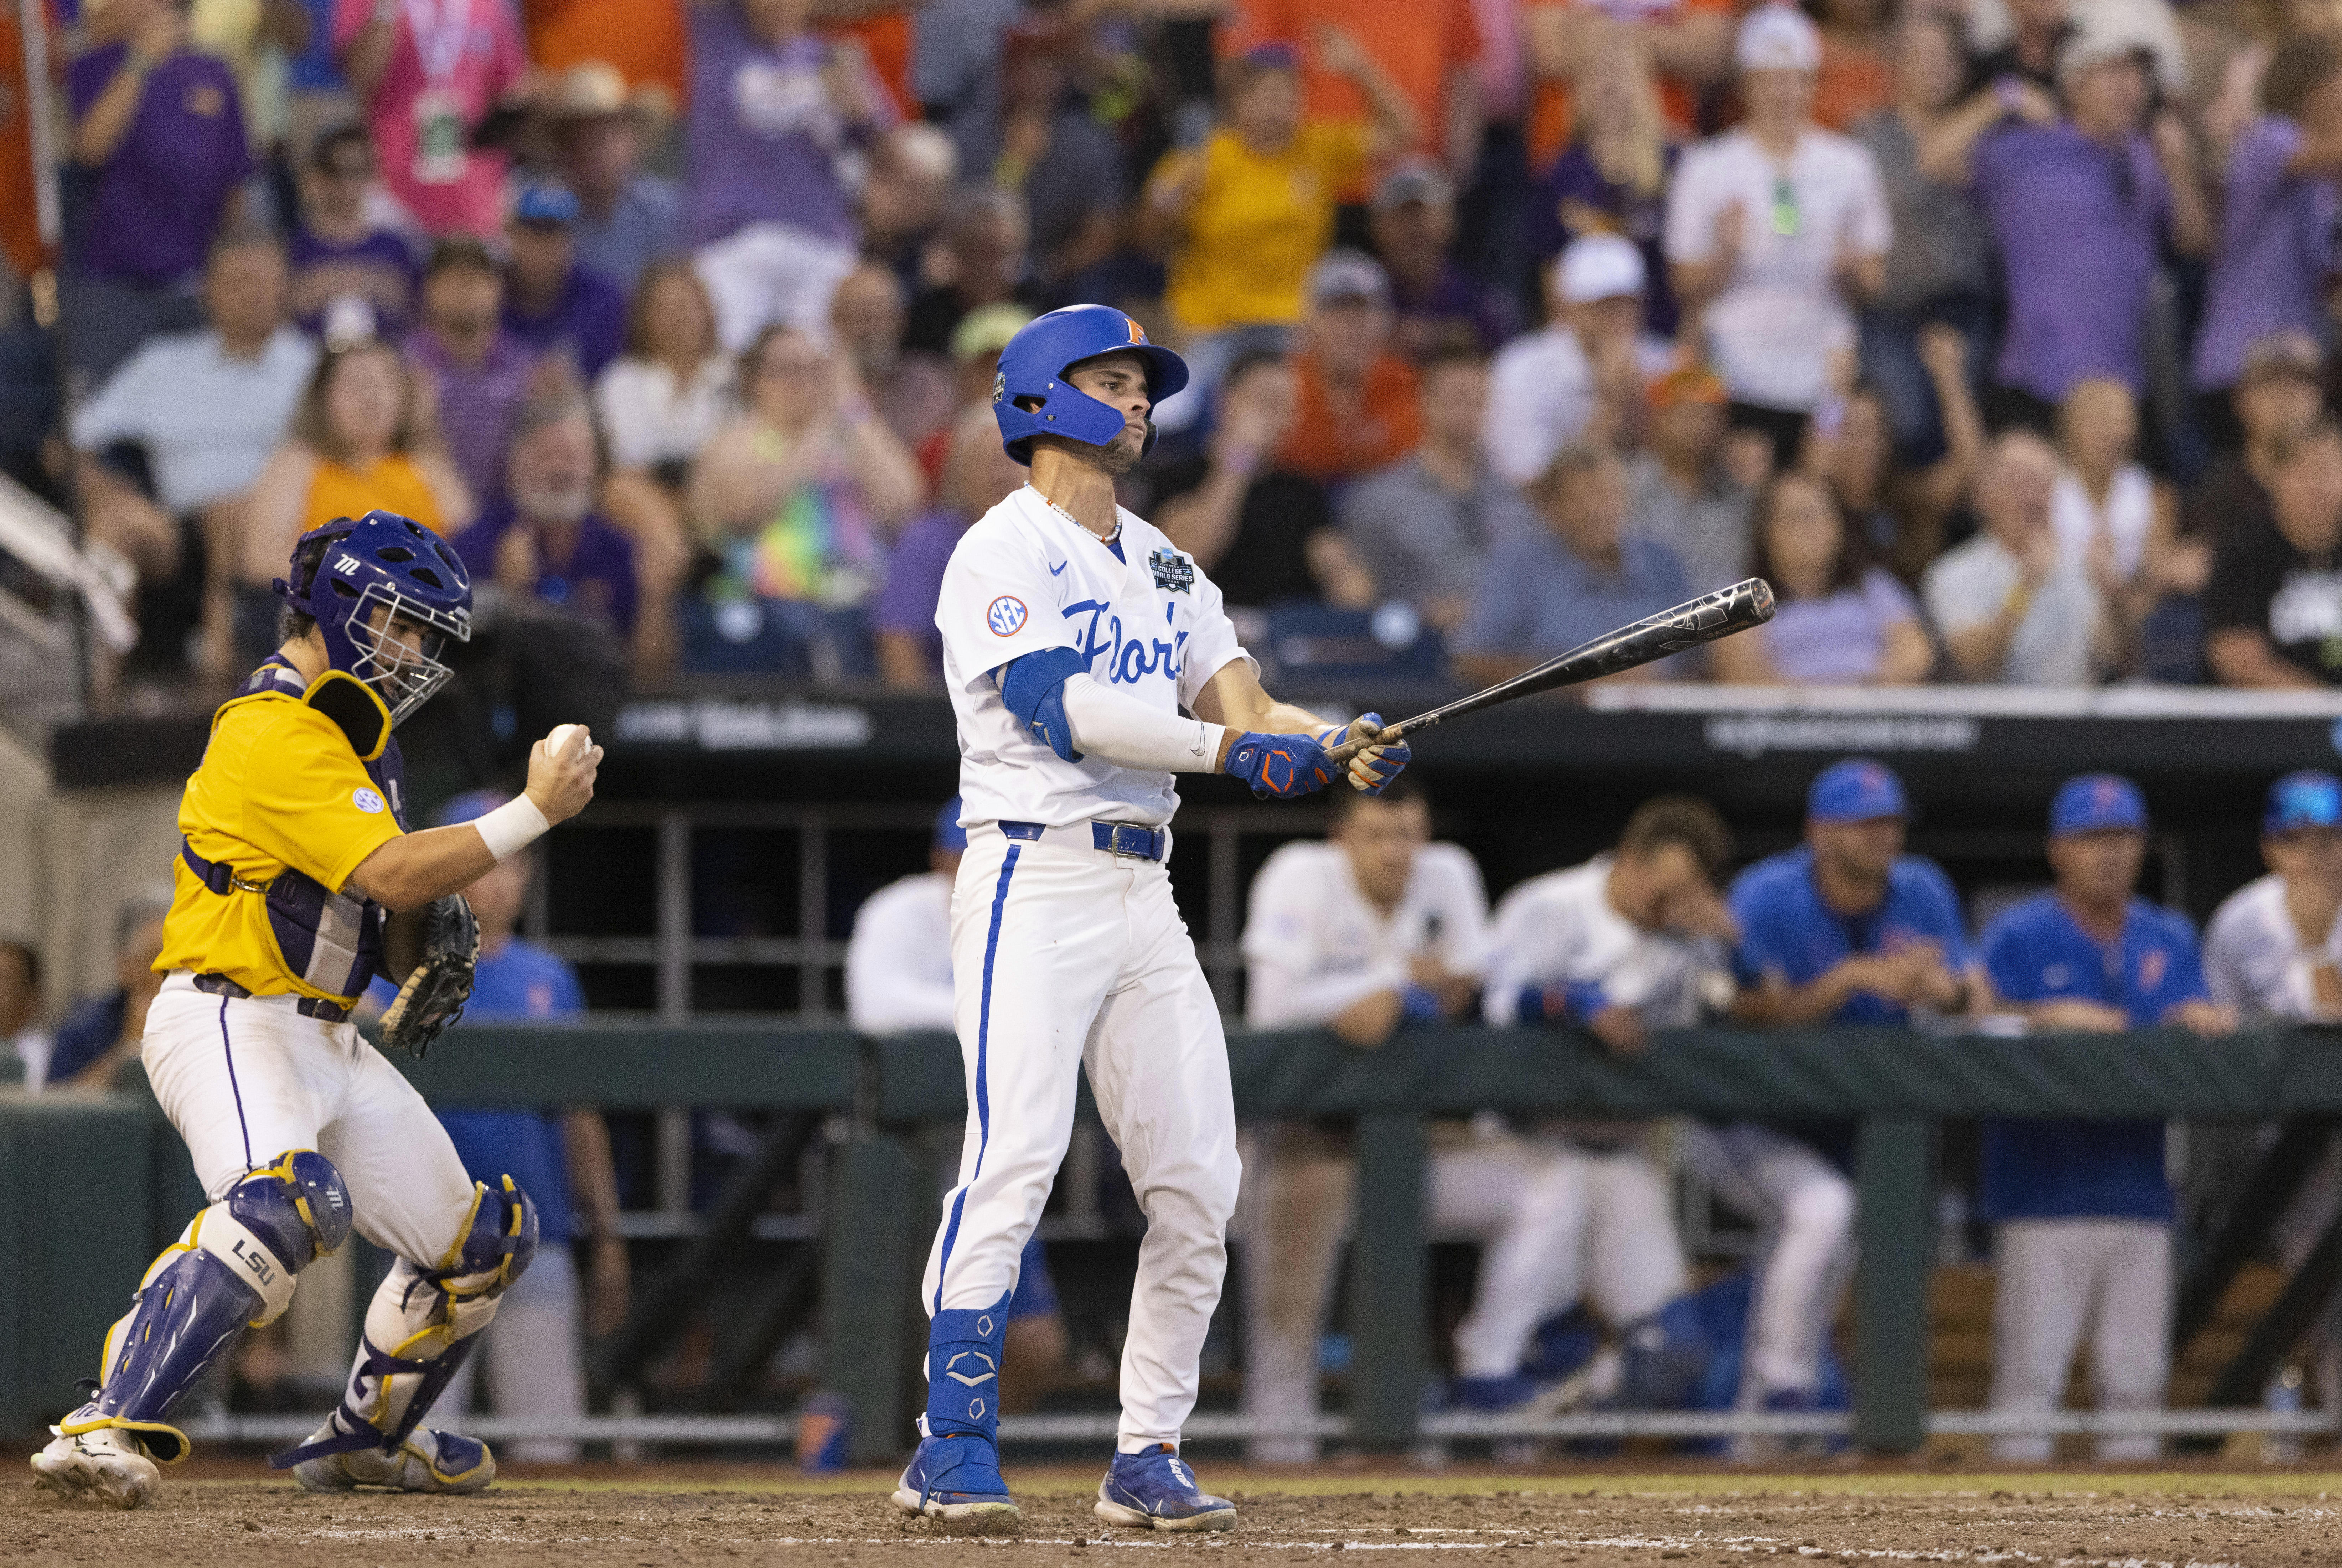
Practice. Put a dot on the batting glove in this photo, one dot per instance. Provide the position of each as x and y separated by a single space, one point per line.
1372 770
1283 766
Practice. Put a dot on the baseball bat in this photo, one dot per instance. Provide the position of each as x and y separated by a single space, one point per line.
1688 625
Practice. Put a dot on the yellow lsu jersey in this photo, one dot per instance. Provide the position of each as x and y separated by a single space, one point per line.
279 814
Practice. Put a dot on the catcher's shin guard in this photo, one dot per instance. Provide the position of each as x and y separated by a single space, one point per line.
232 1267
423 1325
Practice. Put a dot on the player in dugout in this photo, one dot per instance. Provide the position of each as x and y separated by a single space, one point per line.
2082 1211
296 880
1845 928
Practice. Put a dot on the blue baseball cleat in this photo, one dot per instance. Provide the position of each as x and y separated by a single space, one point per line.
956 1481
1156 1491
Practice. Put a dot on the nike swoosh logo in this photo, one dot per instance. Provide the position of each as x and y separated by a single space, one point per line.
1059 568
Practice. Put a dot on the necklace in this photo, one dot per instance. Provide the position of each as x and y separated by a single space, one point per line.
1101 538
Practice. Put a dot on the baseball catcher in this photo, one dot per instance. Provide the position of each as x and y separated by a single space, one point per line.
294 852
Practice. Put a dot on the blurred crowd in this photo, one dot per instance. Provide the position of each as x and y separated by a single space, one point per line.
1992 333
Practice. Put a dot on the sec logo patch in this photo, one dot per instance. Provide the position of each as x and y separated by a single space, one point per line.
366 801
1006 615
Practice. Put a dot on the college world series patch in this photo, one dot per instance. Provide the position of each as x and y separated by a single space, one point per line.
1172 572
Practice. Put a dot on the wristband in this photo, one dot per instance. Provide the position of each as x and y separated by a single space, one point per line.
512 827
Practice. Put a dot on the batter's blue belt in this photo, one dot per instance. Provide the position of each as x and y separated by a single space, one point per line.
1116 838
317 1007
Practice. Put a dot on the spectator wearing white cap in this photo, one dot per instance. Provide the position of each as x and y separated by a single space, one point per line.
2081 210
1774 229
1581 378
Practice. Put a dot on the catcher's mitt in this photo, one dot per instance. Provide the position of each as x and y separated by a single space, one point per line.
436 989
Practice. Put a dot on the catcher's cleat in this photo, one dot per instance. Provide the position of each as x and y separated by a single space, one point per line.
1156 1491
427 1461
105 1464
956 1481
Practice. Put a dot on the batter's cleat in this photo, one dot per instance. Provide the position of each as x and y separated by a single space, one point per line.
1156 1491
427 1461
955 1480
106 1465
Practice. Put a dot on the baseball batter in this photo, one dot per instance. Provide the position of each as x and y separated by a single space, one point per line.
1074 634
295 849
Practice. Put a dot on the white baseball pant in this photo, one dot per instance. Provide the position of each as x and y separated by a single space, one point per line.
1805 1207
2057 1280
1557 1221
534 1364
1065 958
245 1079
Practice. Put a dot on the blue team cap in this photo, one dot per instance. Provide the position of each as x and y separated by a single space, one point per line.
2093 802
545 204
950 837
2304 799
1855 789
469 806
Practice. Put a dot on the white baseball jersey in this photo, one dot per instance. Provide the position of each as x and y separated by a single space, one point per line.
2253 959
1147 624
1316 944
1561 929
898 970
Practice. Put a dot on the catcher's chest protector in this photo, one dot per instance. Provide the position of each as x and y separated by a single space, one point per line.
332 940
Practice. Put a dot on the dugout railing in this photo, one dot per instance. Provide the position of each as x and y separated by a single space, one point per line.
91 1185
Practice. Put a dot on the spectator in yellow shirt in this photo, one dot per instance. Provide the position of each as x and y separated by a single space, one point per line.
1244 216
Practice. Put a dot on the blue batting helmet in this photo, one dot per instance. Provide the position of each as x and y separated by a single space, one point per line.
1032 372
344 571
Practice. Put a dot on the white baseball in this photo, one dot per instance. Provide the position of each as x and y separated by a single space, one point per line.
559 743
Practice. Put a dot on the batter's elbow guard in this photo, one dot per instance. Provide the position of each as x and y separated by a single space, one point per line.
1033 688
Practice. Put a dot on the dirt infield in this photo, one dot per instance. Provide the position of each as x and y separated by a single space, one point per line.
674 1520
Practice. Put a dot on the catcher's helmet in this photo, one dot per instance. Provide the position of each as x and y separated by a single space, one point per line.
1033 365
382 561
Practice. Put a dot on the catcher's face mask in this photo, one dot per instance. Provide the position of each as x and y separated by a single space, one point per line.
397 648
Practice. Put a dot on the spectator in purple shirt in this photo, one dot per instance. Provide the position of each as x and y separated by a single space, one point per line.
545 542
776 111
1414 219
1612 177
552 302
351 280
2276 227
159 128
480 374
978 475
2079 210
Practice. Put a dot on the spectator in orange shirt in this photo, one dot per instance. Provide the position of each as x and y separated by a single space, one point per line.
1358 407
642 38
1687 44
1429 48
1855 80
